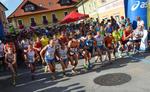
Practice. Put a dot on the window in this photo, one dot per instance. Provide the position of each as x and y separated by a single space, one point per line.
44 18
49 3
33 23
65 13
45 21
29 7
20 22
32 20
65 2
54 18
68 1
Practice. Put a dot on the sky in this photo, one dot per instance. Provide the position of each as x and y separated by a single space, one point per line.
11 5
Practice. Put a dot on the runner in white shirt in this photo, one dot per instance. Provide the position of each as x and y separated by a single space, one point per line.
140 22
99 40
137 35
48 54
62 54
25 44
144 39
30 58
1 55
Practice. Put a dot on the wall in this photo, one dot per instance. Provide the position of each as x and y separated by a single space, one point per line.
99 9
111 8
90 7
38 17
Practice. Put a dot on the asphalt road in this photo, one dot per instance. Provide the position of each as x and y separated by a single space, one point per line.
130 74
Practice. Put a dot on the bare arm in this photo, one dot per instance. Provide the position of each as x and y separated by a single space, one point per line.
43 52
69 44
15 60
6 59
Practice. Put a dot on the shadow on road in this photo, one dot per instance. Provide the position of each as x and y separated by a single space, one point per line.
43 83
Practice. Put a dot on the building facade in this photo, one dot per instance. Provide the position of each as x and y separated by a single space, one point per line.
41 12
2 14
109 8
102 9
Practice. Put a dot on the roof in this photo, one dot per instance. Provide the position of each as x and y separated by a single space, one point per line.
47 5
3 6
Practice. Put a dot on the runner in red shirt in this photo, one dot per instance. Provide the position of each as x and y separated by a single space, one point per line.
9 45
127 37
37 45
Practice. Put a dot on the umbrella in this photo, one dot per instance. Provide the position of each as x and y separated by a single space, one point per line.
74 16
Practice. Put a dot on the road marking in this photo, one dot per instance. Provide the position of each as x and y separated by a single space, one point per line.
23 84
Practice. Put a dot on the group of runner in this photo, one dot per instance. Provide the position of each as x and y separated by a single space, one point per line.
100 40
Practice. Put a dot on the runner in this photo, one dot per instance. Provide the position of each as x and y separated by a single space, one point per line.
73 46
10 60
137 35
2 65
109 44
62 54
89 47
30 59
44 41
126 38
99 40
48 54
56 41
83 51
9 45
37 47
63 38
24 44
117 42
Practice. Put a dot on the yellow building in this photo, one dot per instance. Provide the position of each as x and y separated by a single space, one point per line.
102 8
41 12
2 14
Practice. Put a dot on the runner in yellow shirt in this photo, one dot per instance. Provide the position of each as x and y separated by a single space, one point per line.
117 42
116 35
44 41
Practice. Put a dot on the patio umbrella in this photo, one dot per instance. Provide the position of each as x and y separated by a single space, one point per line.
74 16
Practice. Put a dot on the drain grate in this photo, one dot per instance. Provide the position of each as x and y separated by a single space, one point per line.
112 79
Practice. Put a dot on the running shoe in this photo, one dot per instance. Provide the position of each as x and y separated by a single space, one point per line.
74 72
85 66
53 77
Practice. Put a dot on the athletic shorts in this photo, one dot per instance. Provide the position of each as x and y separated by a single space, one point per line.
101 47
32 63
90 50
1 59
48 61
73 53
125 42
65 60
136 41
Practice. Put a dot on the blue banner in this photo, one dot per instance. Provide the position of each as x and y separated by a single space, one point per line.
1 30
136 8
